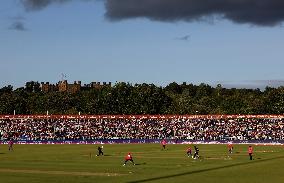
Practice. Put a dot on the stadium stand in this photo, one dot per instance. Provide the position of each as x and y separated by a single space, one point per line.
197 128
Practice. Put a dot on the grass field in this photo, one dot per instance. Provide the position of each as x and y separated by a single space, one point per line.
78 163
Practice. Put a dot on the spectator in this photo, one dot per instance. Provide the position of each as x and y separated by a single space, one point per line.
140 128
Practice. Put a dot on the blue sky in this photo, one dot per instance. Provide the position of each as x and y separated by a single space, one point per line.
77 39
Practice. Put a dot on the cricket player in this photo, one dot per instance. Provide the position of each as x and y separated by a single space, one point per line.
128 157
10 145
230 148
100 151
164 143
189 152
250 152
196 153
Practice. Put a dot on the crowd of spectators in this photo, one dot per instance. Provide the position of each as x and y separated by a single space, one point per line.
191 129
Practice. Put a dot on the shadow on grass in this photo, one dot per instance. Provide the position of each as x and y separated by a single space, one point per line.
141 164
206 170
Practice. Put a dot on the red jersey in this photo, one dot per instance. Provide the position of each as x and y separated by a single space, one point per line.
188 150
128 157
250 150
230 146
164 142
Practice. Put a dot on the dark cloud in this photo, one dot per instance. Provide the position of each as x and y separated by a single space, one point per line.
257 12
19 26
32 5
184 38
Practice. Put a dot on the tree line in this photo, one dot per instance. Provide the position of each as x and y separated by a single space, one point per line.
126 98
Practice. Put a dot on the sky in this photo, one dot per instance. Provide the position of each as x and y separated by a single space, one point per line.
237 43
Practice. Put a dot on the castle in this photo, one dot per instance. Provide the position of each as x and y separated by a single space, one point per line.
64 86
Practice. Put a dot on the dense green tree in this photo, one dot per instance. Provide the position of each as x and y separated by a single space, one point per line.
125 98
6 89
33 86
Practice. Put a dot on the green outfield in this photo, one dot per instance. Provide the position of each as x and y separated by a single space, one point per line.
78 163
